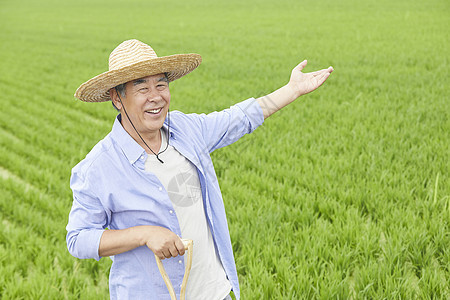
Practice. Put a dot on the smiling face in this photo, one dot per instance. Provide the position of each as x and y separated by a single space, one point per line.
147 102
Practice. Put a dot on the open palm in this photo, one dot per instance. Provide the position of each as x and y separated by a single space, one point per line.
303 83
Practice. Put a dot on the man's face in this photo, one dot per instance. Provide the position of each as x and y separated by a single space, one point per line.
146 102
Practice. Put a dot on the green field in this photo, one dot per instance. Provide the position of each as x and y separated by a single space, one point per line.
345 194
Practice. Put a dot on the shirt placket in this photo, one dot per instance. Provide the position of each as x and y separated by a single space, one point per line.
175 226
179 147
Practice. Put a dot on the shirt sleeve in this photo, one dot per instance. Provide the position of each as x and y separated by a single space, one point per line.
223 128
87 220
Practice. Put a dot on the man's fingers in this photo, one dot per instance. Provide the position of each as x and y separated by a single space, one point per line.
180 247
322 78
160 255
173 251
301 65
321 72
166 253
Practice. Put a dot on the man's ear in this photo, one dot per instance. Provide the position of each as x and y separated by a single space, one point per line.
115 98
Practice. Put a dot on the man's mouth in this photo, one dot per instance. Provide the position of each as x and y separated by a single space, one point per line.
154 111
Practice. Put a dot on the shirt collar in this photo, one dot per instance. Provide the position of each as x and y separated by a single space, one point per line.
129 146
170 128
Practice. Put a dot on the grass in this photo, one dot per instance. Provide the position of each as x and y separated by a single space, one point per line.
343 195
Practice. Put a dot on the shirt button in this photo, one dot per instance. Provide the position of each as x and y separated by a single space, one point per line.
142 157
180 262
171 211
160 189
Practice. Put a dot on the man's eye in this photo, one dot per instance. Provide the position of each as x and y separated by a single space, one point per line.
143 90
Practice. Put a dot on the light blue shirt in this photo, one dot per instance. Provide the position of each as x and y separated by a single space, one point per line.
112 190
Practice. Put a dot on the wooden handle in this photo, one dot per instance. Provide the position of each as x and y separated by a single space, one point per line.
188 245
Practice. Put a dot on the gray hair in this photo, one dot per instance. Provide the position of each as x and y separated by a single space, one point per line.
121 90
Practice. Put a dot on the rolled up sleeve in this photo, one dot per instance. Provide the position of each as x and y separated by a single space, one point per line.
87 220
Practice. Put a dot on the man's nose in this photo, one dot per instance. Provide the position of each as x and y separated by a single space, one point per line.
154 96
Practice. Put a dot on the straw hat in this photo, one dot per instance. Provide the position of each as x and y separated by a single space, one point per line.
132 60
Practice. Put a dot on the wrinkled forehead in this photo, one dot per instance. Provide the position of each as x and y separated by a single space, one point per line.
153 78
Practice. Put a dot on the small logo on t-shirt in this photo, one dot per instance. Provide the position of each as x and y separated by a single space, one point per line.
184 189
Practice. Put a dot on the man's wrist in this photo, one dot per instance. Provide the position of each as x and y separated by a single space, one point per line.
136 235
291 92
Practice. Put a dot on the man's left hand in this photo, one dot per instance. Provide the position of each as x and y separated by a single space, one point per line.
304 83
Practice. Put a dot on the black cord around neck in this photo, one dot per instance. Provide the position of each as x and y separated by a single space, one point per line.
168 129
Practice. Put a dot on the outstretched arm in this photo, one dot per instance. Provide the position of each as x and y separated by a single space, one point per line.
299 84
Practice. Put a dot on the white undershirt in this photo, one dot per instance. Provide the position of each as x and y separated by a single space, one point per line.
179 177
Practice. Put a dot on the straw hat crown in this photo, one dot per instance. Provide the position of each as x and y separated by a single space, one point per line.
130 52
131 60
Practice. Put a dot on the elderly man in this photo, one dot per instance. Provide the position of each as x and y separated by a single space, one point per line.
151 181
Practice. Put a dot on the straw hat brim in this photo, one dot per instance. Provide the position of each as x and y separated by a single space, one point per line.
97 89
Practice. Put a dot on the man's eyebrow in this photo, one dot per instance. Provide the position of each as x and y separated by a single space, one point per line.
139 81
163 79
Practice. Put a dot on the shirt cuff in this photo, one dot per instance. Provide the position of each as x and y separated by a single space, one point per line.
89 241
